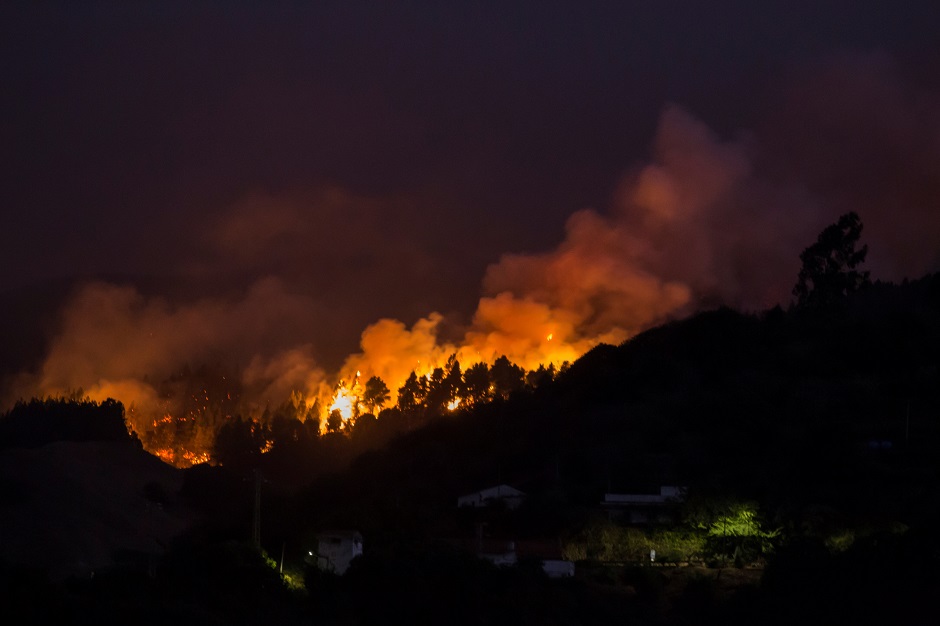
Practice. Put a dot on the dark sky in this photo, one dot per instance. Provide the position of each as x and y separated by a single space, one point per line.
297 171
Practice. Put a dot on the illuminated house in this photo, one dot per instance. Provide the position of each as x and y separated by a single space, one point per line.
510 497
336 550
642 508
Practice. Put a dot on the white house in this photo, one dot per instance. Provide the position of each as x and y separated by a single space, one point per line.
336 550
510 496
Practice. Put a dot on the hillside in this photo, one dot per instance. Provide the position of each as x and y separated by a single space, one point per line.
797 410
819 426
70 508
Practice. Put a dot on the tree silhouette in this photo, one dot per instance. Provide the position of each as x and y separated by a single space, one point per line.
239 443
476 382
453 379
334 423
507 377
38 422
536 378
828 273
437 396
412 393
375 395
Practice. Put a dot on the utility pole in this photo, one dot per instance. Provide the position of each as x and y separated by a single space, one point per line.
907 424
256 522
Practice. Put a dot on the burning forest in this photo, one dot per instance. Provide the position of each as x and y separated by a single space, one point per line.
706 221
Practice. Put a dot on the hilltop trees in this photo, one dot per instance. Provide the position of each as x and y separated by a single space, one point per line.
411 395
195 403
506 377
202 415
829 266
375 395
38 422
240 442
477 382
448 387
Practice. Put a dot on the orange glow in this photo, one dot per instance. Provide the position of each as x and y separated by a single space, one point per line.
195 458
540 311
179 422
166 455
346 398
662 246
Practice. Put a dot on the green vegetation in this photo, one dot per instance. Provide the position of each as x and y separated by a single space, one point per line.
607 542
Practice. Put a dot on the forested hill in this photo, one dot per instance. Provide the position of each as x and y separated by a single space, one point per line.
832 406
819 423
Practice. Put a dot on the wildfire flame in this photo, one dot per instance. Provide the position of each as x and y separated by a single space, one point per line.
346 398
344 402
606 281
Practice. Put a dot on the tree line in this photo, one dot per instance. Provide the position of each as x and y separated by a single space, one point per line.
204 412
293 429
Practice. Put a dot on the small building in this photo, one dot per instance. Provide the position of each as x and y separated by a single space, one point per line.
508 496
643 508
558 568
336 550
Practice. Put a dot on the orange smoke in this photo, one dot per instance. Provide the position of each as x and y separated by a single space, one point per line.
694 226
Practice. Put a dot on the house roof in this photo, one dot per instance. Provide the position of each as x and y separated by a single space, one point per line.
342 534
497 491
667 493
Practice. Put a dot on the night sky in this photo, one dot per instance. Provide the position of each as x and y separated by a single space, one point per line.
262 182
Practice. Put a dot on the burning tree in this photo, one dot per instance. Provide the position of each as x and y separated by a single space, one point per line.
477 383
375 395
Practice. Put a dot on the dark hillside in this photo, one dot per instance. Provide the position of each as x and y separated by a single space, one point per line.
813 432
74 508
824 420
79 494
796 409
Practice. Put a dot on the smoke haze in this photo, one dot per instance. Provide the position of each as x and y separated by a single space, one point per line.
707 221
301 194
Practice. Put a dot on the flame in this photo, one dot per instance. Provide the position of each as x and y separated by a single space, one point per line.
611 277
177 419
345 401
180 430
166 455
195 458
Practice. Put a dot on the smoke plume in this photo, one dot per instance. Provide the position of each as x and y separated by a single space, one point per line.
708 221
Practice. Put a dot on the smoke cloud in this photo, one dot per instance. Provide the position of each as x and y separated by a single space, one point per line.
696 227
862 134
116 343
708 221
